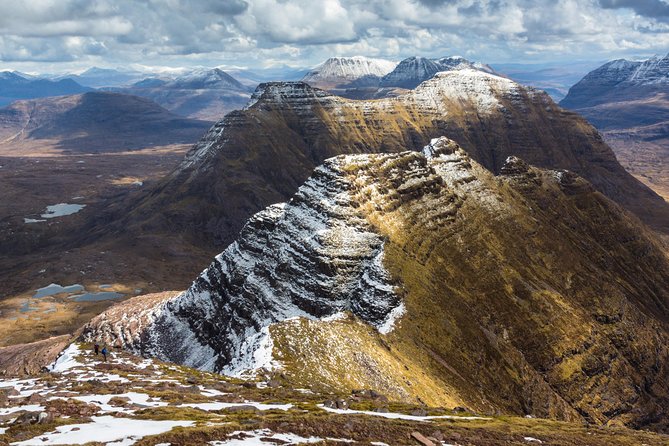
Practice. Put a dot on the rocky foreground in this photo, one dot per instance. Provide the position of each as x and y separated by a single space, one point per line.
81 399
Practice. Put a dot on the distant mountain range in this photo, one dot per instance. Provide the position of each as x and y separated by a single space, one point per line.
364 78
15 86
201 94
629 102
104 77
93 122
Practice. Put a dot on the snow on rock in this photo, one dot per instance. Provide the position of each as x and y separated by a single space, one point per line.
262 437
398 416
312 257
483 90
340 70
66 360
104 429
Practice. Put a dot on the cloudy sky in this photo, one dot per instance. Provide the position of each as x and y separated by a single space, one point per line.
59 35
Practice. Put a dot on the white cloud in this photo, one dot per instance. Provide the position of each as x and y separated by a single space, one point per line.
258 32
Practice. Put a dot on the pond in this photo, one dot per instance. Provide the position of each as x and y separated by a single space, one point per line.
62 209
95 297
54 288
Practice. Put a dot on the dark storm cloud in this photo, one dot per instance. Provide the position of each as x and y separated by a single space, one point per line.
648 8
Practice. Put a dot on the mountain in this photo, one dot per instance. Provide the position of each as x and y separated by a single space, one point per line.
14 86
340 72
260 155
105 77
94 121
614 80
425 277
410 72
203 94
629 102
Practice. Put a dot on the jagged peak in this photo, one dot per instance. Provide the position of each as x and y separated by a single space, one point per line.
282 91
440 146
514 166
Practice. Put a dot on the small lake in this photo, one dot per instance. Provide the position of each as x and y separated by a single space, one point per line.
54 289
62 209
95 297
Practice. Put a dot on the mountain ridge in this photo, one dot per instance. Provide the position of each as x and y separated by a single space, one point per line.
426 233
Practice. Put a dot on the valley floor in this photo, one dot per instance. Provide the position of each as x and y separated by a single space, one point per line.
38 251
127 400
647 160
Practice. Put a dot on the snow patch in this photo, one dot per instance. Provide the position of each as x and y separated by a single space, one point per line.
397 416
394 315
67 359
218 405
104 429
255 438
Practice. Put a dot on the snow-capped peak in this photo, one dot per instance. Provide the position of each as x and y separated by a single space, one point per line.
347 69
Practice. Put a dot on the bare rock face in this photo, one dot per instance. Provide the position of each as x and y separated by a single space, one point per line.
29 359
527 293
312 257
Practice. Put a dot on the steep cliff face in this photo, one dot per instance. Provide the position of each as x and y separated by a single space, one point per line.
261 155
528 292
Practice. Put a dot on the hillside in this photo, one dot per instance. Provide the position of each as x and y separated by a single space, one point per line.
130 400
261 155
93 122
522 293
202 94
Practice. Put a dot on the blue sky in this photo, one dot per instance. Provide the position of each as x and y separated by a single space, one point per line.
60 35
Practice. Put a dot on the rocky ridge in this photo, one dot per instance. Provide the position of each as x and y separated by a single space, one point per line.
522 293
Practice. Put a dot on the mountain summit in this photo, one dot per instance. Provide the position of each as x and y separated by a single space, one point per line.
343 71
617 80
410 72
